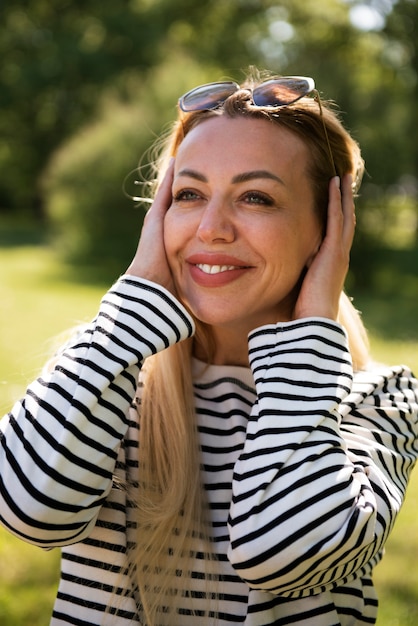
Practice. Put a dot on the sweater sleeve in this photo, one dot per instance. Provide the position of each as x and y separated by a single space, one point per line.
59 444
325 464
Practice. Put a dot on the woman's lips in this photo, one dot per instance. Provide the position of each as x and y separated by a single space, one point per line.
215 271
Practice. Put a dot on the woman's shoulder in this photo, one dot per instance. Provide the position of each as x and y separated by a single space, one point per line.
379 377
385 397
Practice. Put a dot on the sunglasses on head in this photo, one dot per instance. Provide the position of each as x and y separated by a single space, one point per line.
272 93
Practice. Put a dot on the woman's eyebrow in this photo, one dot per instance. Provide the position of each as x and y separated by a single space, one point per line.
252 175
239 178
192 174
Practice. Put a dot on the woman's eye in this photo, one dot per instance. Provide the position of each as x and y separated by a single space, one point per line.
258 198
185 195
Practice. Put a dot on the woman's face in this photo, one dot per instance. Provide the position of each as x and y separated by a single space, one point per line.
242 227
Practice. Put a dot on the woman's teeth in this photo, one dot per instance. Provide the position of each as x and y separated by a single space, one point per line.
215 269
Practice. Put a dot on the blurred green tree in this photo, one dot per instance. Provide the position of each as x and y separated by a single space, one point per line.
66 64
58 58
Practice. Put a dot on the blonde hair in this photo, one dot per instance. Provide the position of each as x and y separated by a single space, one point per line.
171 519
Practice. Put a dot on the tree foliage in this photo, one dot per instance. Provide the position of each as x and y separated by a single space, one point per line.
66 64
58 58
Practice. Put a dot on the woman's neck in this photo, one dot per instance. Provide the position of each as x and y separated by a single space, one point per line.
227 347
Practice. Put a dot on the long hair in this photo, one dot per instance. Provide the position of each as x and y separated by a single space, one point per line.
171 508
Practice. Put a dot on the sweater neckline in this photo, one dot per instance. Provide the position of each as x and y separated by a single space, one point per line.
204 373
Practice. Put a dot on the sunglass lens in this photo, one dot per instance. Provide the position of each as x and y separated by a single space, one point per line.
207 96
282 91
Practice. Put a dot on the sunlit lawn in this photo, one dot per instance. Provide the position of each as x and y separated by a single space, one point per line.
37 303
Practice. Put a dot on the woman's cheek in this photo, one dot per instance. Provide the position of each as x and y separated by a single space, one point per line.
172 236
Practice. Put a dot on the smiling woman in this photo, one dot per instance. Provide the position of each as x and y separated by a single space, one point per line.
217 445
242 226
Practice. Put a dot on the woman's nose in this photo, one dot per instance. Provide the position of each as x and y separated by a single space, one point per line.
216 223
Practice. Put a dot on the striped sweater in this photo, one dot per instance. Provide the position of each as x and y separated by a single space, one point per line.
304 464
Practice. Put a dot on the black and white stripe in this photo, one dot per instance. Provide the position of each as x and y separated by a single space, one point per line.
304 464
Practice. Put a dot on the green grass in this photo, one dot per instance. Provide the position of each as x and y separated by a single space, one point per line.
40 300
38 303
28 582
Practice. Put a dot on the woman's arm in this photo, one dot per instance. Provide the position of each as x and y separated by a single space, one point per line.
59 444
316 489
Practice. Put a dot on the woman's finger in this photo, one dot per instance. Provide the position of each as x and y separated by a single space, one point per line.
162 200
348 209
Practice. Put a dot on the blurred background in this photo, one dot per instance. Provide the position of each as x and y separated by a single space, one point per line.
86 87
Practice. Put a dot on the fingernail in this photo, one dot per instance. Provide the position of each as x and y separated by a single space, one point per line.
337 182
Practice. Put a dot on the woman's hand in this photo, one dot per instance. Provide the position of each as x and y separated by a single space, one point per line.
150 261
324 280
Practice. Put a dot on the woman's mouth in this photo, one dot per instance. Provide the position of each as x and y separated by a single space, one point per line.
215 272
216 269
